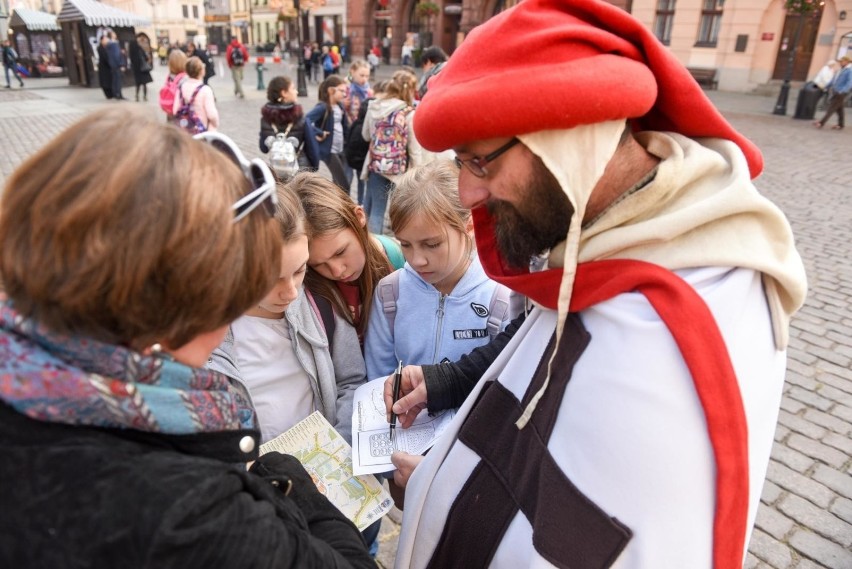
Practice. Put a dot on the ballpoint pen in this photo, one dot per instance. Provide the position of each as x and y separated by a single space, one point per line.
397 380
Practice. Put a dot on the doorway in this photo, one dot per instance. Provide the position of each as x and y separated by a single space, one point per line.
807 41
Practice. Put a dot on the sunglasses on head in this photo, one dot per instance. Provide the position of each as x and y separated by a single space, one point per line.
263 190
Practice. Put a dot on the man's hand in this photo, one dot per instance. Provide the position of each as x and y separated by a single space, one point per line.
405 464
412 400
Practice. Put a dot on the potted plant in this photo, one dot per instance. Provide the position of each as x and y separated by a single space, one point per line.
427 10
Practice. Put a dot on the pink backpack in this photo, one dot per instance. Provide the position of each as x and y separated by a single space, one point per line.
168 92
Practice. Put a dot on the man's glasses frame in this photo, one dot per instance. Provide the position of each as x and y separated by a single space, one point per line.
263 187
477 165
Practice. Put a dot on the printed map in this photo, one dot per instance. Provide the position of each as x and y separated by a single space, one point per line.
328 459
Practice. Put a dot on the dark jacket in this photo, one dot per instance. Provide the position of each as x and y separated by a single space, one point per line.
78 496
113 49
139 60
281 115
315 117
104 71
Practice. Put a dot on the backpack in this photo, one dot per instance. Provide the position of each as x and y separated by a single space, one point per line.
325 312
237 57
185 115
356 148
388 147
502 301
168 92
327 63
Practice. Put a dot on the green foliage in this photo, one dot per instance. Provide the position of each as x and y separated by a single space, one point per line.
427 9
803 7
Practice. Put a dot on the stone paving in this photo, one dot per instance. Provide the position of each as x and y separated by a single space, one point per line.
805 516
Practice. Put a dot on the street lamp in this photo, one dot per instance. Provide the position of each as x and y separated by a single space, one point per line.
804 8
301 84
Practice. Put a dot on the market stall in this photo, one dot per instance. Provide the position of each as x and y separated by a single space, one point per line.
83 22
37 39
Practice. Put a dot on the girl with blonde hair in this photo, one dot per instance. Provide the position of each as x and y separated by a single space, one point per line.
442 300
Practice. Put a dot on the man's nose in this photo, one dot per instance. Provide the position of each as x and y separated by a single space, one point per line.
472 190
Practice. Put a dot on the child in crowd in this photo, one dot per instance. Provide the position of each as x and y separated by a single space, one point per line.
439 306
177 71
199 96
393 152
346 262
293 353
332 126
359 89
283 114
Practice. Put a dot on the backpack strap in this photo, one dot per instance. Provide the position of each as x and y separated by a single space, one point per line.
325 312
194 94
498 309
388 293
392 251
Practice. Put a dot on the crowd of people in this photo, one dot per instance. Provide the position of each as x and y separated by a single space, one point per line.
598 289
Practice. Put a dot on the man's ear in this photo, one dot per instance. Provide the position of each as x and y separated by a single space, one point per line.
361 216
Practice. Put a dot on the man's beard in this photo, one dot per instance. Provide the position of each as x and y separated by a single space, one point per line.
539 222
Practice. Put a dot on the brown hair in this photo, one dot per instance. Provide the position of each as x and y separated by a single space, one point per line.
194 67
276 85
328 83
431 190
177 62
403 86
142 251
289 214
328 210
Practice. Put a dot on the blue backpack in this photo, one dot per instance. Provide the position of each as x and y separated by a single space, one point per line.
327 63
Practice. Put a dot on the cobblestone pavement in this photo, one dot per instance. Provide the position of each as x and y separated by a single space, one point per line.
805 516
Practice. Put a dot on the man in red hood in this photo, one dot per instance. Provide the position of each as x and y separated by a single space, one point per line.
237 56
629 421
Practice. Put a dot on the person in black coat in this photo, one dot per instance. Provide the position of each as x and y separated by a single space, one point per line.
104 71
141 61
204 56
117 447
282 113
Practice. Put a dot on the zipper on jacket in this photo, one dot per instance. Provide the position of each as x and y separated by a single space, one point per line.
440 314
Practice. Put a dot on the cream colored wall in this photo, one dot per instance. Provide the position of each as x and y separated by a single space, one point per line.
747 70
165 15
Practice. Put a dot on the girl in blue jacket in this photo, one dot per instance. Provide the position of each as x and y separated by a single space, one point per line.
441 305
332 127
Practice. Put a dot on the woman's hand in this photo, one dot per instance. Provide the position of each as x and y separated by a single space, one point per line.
412 391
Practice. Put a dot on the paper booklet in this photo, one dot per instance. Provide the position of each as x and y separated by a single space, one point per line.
328 459
371 444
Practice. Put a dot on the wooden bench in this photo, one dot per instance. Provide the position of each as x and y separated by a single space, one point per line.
704 76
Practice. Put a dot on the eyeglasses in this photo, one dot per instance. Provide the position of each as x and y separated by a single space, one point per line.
262 181
477 164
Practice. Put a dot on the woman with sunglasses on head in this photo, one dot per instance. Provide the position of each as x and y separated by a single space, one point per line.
329 120
282 114
116 447
345 261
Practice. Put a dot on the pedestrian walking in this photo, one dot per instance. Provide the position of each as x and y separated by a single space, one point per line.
307 59
840 88
823 79
104 71
10 63
643 388
114 395
237 56
316 61
169 90
141 61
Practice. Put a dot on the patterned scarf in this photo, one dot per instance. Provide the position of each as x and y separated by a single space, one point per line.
79 381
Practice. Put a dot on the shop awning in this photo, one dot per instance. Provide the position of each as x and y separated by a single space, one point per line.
97 14
33 20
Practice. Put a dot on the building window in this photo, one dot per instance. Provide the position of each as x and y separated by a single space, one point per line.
185 11
664 20
195 11
711 17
